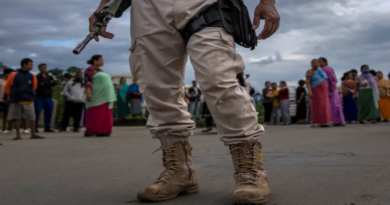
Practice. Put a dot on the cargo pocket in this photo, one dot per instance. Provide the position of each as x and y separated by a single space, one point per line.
135 62
230 61
227 38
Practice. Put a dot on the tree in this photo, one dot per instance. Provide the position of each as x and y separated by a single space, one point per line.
2 67
57 73
73 70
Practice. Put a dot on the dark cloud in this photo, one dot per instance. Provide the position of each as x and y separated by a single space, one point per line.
348 32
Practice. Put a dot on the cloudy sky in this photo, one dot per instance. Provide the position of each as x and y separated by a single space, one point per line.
348 32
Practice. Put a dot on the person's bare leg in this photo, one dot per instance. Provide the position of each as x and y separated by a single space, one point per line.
17 127
4 121
10 124
24 126
32 127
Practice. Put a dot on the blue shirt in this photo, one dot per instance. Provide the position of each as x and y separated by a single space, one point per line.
318 77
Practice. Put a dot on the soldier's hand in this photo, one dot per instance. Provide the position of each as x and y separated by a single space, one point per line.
92 20
266 10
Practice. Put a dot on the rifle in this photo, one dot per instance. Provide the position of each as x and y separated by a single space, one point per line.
114 8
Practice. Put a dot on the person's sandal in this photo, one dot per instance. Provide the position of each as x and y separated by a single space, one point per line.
103 135
17 138
37 137
88 135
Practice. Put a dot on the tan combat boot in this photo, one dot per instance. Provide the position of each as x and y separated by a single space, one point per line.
177 178
252 186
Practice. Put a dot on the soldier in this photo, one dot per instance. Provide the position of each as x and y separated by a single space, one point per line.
157 63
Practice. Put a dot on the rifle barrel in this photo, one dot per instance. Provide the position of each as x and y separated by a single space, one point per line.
84 43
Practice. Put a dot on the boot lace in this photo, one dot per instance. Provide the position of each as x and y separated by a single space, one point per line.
170 162
247 173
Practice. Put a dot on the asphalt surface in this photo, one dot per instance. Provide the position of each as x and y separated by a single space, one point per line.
326 166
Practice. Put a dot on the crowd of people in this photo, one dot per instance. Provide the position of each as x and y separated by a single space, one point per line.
360 98
90 96
89 99
128 95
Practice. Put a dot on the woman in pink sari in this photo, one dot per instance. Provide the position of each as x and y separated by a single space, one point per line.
318 92
334 97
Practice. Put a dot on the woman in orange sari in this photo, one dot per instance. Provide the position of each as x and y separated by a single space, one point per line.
384 94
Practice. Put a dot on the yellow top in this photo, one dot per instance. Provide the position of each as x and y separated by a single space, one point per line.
340 89
276 100
25 103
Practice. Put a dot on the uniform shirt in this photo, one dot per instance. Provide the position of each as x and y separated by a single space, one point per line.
21 86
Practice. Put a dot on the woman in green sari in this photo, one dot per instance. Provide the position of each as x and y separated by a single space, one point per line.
122 99
100 99
367 94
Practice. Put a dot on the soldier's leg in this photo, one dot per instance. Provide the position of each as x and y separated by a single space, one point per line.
216 64
157 62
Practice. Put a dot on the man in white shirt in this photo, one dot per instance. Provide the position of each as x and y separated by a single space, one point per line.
74 92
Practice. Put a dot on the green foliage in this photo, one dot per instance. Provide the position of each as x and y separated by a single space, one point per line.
73 69
58 73
2 67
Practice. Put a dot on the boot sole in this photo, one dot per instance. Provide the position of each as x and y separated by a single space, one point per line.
154 198
248 201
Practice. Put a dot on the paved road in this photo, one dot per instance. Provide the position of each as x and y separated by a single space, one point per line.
330 166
